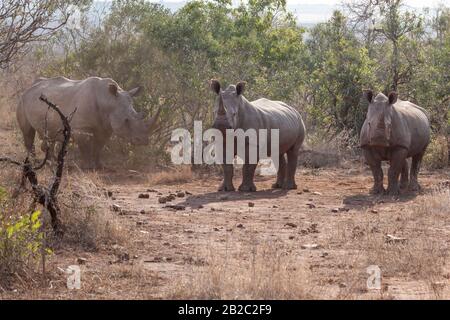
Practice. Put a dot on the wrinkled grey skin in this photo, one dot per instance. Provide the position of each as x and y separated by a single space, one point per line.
102 108
233 111
394 130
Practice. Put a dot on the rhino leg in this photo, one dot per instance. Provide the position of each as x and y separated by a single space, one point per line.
86 147
404 176
415 167
227 184
99 143
281 172
377 172
248 173
49 147
292 160
398 158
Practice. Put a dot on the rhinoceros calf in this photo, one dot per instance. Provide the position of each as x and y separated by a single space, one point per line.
394 130
102 108
234 111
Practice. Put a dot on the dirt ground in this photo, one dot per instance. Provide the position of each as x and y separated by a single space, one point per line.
314 242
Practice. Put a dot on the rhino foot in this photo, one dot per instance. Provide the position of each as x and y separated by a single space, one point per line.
393 191
377 190
289 185
414 186
247 187
277 185
224 187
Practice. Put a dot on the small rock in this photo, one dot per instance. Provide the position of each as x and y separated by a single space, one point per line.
317 193
200 206
143 196
170 197
374 211
116 208
251 204
188 193
291 237
305 190
180 194
162 199
216 229
81 260
300 192
177 207
109 194
240 225
311 205
310 246
324 254
151 190
335 210
125 256
393 239
290 224
142 211
274 206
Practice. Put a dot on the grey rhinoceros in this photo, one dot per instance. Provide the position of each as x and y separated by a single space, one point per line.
102 108
233 111
394 130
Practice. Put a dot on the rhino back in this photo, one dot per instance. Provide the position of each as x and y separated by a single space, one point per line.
410 127
268 114
68 95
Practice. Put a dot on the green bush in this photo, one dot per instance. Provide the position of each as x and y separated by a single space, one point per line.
21 241
436 156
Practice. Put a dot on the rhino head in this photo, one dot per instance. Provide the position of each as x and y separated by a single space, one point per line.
124 120
227 105
379 118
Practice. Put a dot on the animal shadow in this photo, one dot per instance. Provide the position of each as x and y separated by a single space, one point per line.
364 201
196 201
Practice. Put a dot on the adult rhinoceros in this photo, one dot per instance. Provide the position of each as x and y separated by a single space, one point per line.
102 108
394 130
234 111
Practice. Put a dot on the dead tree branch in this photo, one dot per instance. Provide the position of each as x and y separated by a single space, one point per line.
47 195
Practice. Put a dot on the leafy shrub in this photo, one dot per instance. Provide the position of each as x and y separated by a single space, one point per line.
21 241
436 156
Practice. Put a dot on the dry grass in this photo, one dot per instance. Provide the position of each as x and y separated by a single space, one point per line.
264 271
86 214
180 174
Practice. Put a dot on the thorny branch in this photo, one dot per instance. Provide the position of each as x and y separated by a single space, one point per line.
47 195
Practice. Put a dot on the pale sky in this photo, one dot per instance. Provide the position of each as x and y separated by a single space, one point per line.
413 3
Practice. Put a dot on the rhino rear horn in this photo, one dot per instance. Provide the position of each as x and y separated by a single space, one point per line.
136 91
152 121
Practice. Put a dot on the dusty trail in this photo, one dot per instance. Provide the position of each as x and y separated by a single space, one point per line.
331 209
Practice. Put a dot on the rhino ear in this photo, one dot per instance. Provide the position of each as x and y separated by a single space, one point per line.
113 89
393 97
369 95
240 87
214 85
136 91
